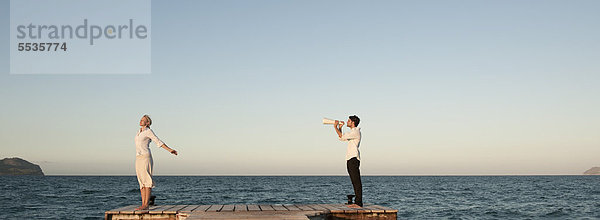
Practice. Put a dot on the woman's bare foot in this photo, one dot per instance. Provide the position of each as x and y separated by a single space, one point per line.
354 206
142 208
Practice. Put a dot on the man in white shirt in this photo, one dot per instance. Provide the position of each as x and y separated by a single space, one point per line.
352 154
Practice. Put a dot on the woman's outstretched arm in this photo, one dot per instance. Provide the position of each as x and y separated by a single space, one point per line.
160 143
169 149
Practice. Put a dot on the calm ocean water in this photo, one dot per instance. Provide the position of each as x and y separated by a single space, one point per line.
416 197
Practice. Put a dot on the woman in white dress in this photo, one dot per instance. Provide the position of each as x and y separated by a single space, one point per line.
143 159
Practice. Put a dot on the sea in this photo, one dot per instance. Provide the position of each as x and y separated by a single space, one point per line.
415 197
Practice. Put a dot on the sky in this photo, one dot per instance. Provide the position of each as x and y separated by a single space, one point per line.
240 88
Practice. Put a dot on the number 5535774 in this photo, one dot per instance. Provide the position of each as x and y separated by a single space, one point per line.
42 46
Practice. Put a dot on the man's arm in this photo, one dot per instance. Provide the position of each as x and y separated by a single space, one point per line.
352 134
338 127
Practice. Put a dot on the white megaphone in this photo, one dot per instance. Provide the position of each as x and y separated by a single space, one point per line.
327 121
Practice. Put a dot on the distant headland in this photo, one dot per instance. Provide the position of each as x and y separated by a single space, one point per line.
19 167
592 171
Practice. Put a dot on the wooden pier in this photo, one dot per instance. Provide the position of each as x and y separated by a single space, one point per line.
291 212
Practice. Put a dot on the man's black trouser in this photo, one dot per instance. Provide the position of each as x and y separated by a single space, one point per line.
353 166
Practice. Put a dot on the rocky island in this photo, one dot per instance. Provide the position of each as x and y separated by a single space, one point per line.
19 167
592 171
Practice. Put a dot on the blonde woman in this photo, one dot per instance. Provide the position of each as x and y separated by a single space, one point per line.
143 159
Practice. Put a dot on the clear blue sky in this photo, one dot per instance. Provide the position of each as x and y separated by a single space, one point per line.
240 87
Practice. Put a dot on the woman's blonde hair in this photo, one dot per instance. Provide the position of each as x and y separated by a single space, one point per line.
149 120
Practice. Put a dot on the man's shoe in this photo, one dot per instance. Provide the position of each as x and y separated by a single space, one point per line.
350 199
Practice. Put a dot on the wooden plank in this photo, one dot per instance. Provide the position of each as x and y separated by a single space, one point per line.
329 207
189 208
374 209
140 211
318 207
363 210
348 209
292 207
201 208
249 215
305 208
377 211
386 209
279 208
253 208
228 208
241 208
143 211
215 208
351 210
369 207
266 208
159 209
342 206
125 208
137 211
333 208
174 209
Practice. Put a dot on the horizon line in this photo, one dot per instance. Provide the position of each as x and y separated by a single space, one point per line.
324 175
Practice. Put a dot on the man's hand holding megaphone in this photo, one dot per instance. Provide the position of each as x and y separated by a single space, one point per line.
337 125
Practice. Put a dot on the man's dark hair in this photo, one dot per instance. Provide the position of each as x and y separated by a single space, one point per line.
354 119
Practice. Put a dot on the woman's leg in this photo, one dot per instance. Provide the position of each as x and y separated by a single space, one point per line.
143 191
144 174
143 199
138 165
148 192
